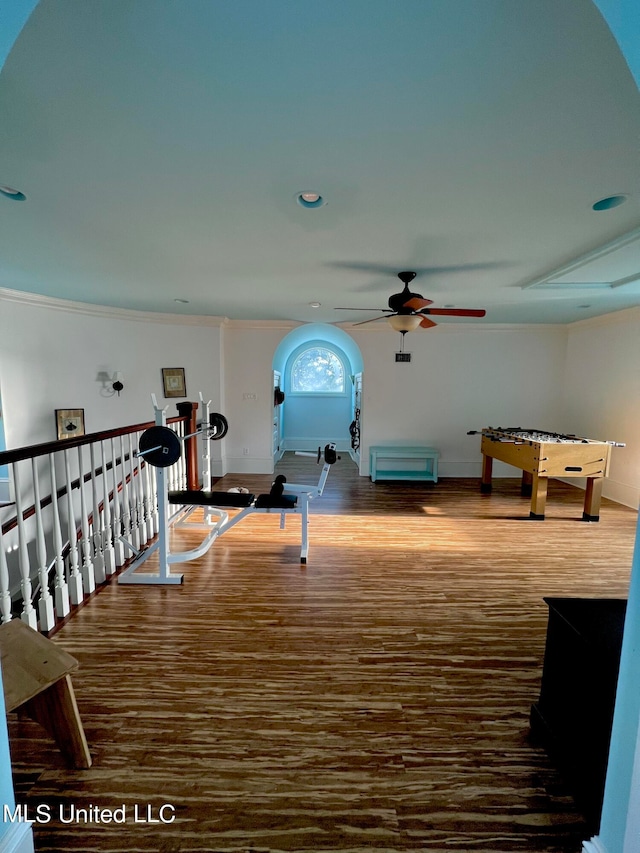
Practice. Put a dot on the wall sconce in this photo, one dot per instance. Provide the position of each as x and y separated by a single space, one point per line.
111 384
117 382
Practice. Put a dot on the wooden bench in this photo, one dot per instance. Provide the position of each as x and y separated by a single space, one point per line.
403 462
37 681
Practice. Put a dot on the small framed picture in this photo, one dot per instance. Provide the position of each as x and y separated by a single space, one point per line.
69 423
174 382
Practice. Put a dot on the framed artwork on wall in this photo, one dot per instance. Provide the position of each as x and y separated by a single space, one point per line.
69 423
173 382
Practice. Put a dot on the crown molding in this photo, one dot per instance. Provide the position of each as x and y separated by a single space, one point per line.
87 309
69 306
288 325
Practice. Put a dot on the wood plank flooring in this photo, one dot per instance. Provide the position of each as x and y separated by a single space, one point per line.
377 699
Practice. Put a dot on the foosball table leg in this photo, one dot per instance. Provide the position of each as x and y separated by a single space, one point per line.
487 469
592 497
538 496
527 484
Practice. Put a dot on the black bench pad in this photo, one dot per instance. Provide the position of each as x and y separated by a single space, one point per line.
200 498
281 502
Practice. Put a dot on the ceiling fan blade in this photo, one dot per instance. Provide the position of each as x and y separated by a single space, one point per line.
456 312
426 323
363 309
373 319
417 303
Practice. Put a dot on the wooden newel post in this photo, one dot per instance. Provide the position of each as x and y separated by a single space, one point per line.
188 410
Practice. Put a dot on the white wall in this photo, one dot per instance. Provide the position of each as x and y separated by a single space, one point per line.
51 353
248 394
460 378
602 394
311 421
583 378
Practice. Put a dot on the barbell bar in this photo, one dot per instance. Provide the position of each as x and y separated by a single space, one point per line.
160 446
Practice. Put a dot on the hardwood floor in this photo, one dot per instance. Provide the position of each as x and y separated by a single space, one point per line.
376 699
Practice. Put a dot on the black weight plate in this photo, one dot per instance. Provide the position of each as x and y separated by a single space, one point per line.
330 456
159 446
218 423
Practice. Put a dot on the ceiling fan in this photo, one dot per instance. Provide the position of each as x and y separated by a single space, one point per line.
408 311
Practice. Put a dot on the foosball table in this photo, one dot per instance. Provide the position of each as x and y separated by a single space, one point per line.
541 455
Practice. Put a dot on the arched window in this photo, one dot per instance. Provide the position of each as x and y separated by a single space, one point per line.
317 370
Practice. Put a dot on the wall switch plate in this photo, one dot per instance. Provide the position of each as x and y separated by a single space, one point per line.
249 396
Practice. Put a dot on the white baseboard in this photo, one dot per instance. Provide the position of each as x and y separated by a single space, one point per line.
249 465
218 467
459 469
448 468
621 493
308 444
17 839
463 470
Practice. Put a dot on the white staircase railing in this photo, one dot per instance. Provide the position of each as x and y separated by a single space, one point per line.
75 501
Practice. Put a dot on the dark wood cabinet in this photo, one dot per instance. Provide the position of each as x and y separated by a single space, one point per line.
573 716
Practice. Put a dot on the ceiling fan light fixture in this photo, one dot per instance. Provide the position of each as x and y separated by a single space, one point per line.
404 322
310 199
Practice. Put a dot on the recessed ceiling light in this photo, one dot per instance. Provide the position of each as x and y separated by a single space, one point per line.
315 304
610 202
9 192
310 199
182 301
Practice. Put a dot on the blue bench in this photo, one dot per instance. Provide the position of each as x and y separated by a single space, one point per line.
403 462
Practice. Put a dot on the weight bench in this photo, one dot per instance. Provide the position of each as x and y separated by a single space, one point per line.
248 504
161 448
201 498
214 505
236 500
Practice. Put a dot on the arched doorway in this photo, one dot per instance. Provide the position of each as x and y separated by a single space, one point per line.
318 368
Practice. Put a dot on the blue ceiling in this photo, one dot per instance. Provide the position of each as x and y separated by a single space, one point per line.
161 147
